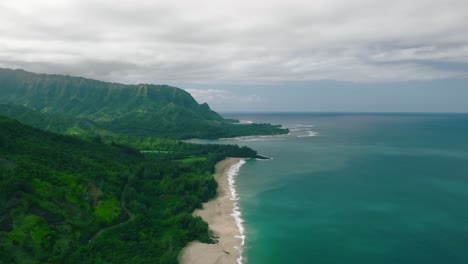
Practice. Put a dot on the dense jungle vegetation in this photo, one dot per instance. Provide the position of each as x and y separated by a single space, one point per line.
66 200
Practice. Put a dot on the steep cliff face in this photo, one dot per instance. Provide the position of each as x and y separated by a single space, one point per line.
98 100
143 109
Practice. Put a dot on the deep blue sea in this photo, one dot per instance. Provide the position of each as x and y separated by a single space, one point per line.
357 188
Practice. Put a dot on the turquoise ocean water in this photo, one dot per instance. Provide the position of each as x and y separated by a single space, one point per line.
357 188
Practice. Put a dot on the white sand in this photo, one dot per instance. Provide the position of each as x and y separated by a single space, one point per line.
217 213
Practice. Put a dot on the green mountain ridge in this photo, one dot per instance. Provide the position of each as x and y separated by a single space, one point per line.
143 109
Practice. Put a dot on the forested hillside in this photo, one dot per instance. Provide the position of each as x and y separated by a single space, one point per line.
65 200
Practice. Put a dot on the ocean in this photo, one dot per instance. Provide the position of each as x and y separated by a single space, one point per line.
356 188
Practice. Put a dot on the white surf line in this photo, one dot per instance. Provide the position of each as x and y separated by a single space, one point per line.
236 214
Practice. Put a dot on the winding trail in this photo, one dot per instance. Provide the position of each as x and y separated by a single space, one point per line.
131 217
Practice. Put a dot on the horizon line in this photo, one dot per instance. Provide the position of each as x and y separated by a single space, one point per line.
337 112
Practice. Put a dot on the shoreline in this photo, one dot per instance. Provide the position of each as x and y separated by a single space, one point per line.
223 219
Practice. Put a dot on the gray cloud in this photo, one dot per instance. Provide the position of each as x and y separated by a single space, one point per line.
240 41
213 96
228 100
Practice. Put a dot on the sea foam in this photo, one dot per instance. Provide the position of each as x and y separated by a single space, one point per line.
309 134
232 173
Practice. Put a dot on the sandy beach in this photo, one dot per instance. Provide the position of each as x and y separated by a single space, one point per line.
217 213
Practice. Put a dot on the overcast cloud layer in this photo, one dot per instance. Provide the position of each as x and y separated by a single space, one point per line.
240 41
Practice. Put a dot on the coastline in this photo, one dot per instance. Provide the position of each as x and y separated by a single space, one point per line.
224 221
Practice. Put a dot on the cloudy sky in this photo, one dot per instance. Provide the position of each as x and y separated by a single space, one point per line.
320 55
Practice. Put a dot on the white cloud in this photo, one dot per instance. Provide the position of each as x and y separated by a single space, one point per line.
236 41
